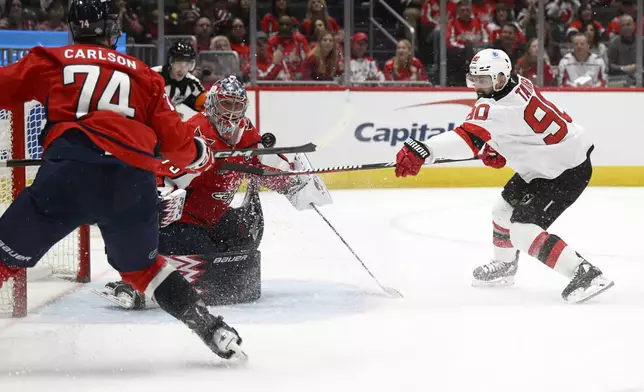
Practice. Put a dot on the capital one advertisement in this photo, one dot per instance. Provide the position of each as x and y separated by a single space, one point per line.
358 127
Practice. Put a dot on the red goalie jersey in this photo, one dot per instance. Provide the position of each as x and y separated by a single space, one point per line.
209 194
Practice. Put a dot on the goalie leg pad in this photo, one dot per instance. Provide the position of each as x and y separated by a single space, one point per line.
222 278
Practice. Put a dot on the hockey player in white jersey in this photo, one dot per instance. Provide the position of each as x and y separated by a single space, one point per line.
180 84
513 123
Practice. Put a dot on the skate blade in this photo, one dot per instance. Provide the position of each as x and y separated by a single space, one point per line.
590 293
123 303
239 355
501 282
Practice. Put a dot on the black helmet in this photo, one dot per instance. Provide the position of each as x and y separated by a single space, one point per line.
93 19
182 51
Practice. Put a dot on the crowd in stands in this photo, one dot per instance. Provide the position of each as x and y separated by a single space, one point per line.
581 48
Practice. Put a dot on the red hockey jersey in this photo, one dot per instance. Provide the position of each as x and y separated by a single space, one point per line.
459 32
115 99
270 24
430 12
405 73
211 192
295 51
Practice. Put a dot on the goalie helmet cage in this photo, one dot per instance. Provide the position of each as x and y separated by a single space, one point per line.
20 127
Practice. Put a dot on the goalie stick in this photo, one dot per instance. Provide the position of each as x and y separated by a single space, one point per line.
332 169
389 290
219 154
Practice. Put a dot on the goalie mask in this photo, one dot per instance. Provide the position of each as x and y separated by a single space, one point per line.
226 106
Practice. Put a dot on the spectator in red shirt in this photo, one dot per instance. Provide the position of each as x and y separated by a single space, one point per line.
430 13
238 42
585 17
465 28
267 68
526 66
293 46
404 67
203 33
502 16
483 10
323 62
56 12
317 10
465 35
269 21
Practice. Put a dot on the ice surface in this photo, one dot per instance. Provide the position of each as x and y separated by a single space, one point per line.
322 325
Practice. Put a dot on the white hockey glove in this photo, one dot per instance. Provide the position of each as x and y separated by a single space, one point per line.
306 189
171 205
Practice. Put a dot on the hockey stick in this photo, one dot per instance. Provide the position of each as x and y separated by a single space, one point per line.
389 290
333 169
219 154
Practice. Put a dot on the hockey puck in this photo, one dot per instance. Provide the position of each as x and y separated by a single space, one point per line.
268 140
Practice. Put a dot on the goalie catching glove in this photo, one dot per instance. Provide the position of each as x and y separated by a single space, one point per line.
308 189
205 158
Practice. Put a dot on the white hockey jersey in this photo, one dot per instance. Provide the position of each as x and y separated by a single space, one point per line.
537 138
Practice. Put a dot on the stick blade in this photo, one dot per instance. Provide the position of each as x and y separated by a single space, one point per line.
393 292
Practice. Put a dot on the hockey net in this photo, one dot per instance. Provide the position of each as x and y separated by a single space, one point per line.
20 127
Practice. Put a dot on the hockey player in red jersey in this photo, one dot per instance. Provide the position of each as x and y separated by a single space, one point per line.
208 228
107 114
513 123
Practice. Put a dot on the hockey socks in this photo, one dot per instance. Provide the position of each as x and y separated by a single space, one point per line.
547 248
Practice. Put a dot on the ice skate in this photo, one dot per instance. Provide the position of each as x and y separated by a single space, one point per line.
221 338
587 282
122 294
495 273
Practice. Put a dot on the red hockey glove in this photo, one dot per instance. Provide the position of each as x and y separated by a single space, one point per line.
491 158
411 158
